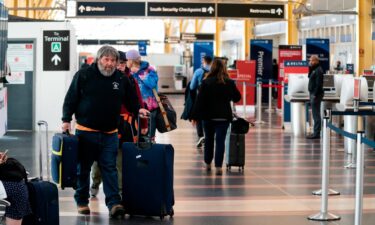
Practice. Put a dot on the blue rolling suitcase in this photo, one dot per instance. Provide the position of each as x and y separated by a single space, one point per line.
147 179
43 195
64 160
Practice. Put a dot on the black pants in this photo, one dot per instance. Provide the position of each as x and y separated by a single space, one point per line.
315 102
199 128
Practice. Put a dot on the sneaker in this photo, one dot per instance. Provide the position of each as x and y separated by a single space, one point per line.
94 190
219 171
116 211
83 209
208 167
200 142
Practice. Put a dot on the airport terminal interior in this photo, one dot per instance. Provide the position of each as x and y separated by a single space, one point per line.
280 168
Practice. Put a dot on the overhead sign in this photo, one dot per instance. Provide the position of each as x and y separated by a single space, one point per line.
56 50
270 11
180 9
105 8
196 37
172 40
111 42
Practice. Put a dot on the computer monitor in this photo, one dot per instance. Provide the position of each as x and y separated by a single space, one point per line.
370 81
328 82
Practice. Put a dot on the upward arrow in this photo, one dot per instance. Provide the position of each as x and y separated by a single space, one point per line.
81 8
56 59
211 10
279 11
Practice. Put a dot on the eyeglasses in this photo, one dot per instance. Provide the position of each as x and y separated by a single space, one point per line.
122 62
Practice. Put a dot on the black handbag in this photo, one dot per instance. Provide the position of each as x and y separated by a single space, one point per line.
166 117
12 170
240 125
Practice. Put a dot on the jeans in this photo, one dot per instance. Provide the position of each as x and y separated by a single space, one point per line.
100 147
315 102
212 128
96 175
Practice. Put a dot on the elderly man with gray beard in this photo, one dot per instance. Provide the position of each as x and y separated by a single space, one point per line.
95 97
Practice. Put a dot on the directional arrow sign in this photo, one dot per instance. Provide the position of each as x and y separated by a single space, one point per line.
81 8
279 11
267 11
56 50
180 9
56 59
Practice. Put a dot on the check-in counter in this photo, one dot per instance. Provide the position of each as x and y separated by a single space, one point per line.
297 88
346 103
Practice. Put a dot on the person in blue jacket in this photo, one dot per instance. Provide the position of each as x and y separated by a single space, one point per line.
195 83
147 79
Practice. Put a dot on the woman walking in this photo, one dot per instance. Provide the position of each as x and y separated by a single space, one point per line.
214 109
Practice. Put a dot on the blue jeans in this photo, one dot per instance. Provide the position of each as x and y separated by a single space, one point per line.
212 128
100 147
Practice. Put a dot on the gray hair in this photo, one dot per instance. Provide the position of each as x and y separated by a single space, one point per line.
107 50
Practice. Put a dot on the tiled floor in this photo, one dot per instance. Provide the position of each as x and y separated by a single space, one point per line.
280 174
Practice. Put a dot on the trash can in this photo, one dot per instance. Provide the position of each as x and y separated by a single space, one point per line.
298 118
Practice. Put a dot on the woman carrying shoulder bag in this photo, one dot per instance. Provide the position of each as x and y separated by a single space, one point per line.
214 109
17 195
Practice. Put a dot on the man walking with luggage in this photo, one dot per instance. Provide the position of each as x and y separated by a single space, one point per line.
316 94
95 97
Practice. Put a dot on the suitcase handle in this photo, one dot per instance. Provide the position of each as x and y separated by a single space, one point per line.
40 124
139 128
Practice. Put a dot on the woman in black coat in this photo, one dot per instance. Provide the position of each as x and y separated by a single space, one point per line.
214 109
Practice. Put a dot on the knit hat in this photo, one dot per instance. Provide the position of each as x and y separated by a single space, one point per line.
133 54
122 56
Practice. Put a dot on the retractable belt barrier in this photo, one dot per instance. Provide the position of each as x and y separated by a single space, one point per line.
361 140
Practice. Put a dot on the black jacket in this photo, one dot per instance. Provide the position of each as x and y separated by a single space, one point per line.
190 96
213 100
96 100
316 81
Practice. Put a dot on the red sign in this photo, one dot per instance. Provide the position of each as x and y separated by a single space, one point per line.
286 53
357 88
245 73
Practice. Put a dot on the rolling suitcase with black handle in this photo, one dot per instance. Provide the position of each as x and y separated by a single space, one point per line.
64 159
235 150
43 195
147 179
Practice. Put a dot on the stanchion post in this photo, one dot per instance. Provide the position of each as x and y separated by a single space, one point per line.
269 110
359 176
324 215
259 103
331 192
244 98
